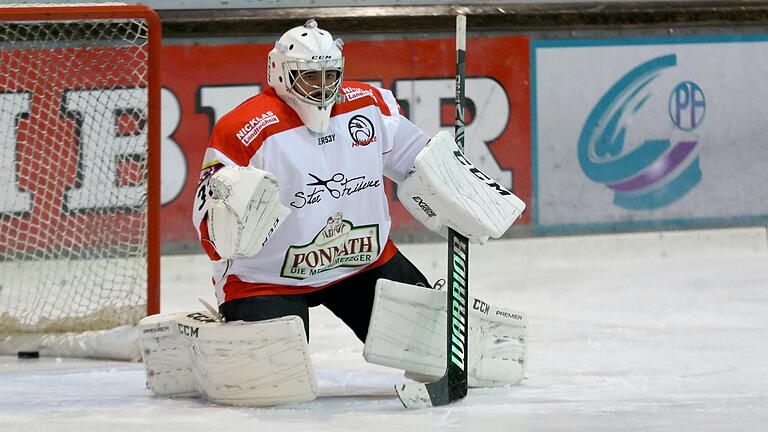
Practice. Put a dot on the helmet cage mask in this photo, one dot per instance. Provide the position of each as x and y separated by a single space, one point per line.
295 73
298 53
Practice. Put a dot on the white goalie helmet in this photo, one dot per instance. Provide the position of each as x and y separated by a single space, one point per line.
306 68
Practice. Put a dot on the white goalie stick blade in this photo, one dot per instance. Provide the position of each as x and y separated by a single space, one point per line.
415 396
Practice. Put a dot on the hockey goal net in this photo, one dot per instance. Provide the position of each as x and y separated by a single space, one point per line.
79 169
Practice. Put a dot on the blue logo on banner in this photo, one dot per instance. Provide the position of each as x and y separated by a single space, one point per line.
687 106
655 173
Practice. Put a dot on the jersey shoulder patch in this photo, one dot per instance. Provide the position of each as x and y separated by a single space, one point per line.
357 95
250 123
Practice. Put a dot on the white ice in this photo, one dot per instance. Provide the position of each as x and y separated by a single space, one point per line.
641 332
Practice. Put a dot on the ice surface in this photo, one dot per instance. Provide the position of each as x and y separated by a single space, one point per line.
642 332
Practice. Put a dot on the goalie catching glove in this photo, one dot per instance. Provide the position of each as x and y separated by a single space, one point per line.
244 210
446 190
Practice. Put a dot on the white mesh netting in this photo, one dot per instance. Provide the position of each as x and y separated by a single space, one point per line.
73 174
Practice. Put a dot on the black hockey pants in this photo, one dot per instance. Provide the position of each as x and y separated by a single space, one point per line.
350 299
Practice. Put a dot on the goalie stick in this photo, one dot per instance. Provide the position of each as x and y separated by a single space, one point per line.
452 386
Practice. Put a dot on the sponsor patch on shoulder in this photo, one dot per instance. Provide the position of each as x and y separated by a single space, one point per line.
354 93
254 126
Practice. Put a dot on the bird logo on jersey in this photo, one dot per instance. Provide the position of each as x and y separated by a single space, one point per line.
361 130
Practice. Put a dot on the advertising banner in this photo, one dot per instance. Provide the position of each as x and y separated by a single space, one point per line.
72 140
639 133
202 82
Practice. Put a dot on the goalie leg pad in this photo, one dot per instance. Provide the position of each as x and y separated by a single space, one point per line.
261 363
408 331
166 357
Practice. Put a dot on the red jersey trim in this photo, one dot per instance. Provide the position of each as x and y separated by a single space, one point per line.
235 288
205 240
241 132
359 95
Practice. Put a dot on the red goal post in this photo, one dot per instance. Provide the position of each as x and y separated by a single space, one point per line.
79 169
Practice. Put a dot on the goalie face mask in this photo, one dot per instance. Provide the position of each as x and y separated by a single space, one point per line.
306 69
318 87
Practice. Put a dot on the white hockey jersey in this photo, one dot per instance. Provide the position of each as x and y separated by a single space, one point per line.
333 183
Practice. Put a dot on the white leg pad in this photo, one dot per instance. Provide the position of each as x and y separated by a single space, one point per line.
166 357
408 330
262 363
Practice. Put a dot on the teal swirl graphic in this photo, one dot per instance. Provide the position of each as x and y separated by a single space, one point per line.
655 173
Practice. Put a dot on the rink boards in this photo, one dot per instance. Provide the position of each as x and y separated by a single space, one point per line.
595 135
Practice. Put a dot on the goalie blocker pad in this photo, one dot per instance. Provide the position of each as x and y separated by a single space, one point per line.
261 363
408 331
446 190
